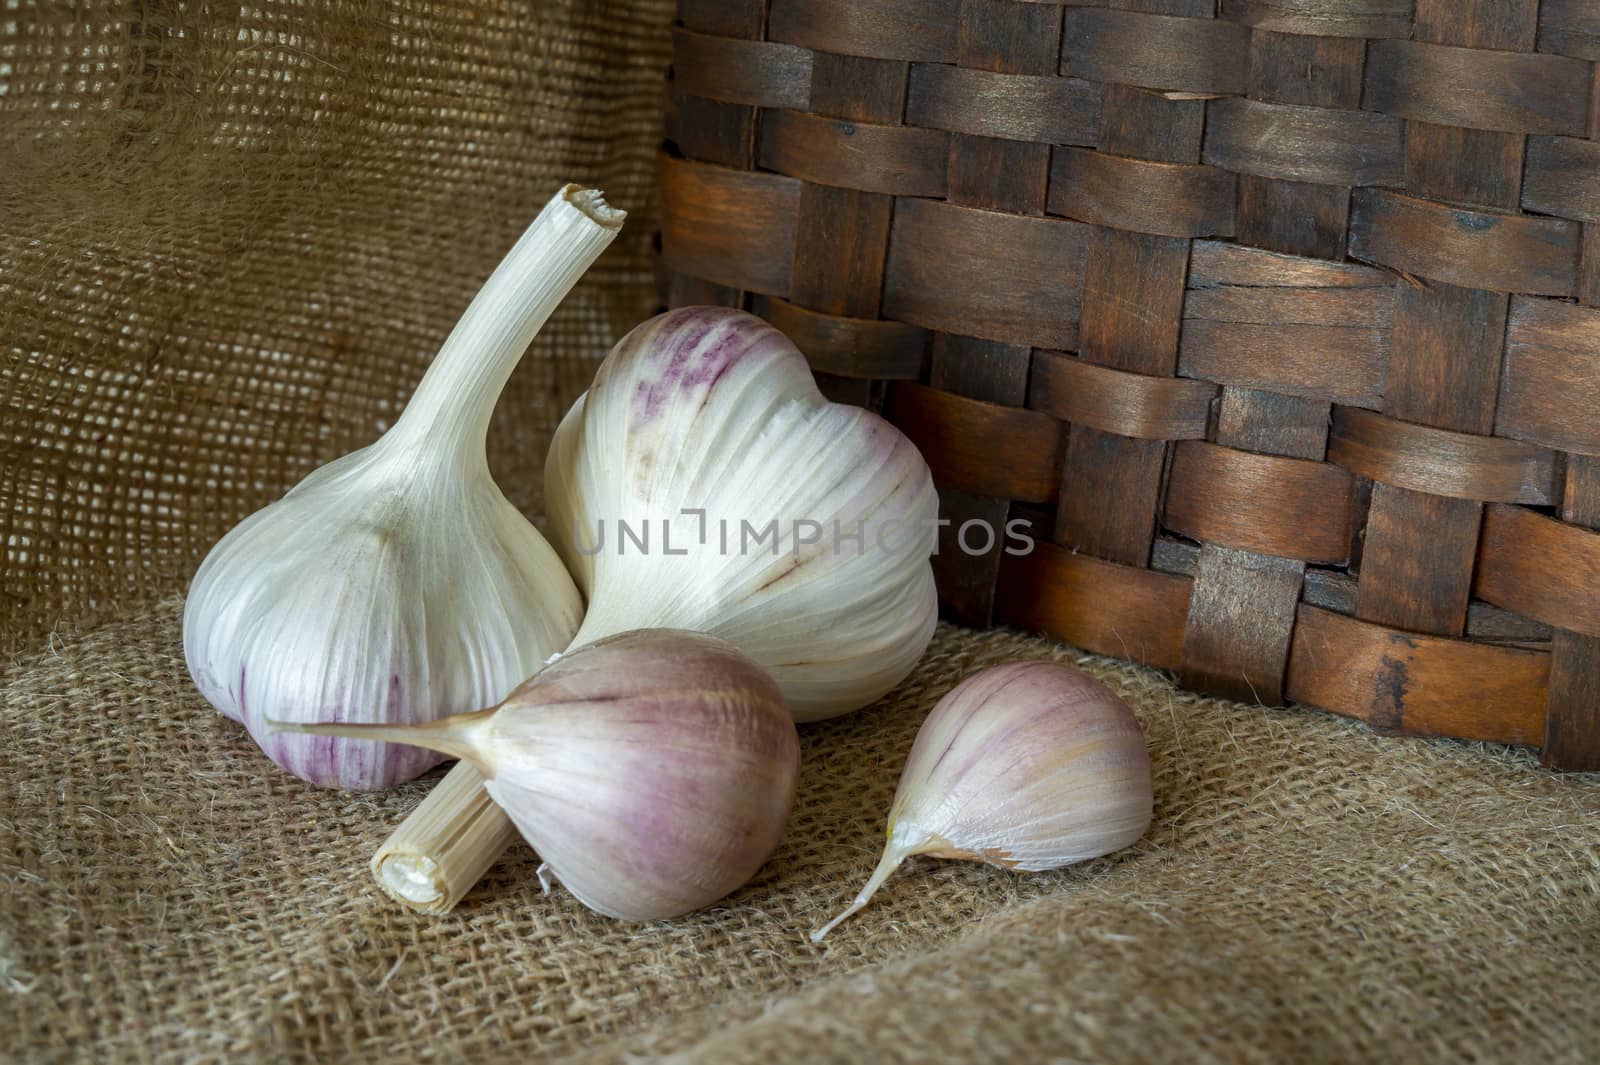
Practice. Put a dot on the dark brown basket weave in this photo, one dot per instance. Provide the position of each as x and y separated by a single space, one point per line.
1279 320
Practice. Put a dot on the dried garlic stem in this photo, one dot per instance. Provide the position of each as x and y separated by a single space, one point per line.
501 321
684 720
446 844
449 841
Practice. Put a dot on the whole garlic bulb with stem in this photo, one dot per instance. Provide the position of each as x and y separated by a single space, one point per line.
652 771
1026 766
397 584
704 483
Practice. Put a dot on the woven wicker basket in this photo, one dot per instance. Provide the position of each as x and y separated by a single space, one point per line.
1279 321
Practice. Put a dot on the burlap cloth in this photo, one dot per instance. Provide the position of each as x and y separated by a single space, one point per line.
228 245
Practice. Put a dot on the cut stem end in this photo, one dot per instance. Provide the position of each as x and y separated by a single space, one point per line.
592 202
458 393
411 878
445 845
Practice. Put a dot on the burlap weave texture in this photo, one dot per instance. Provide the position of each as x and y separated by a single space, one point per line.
231 239
1310 892
229 242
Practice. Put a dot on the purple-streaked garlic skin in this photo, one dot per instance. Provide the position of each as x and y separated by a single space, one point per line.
713 410
360 597
397 585
1031 766
1027 766
652 771
689 351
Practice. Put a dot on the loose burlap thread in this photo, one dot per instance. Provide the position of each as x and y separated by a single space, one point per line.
229 244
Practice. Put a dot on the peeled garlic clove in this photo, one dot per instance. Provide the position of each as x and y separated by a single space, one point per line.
1027 766
651 771
397 584
705 432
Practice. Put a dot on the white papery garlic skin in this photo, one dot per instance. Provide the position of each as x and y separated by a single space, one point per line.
652 771
383 588
713 411
397 584
1027 766
707 419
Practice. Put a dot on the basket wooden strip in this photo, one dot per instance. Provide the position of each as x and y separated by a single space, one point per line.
1019 107
850 347
1275 319
1563 178
1372 18
1411 684
1477 88
1124 611
757 73
1153 51
1437 461
1550 392
982 273
1305 143
1124 404
1274 505
1477 249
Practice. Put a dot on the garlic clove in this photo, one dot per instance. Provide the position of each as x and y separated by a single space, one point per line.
705 428
652 771
699 422
1027 766
397 584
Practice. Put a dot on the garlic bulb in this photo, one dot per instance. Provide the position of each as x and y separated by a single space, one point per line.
652 771
1026 766
704 483
397 584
